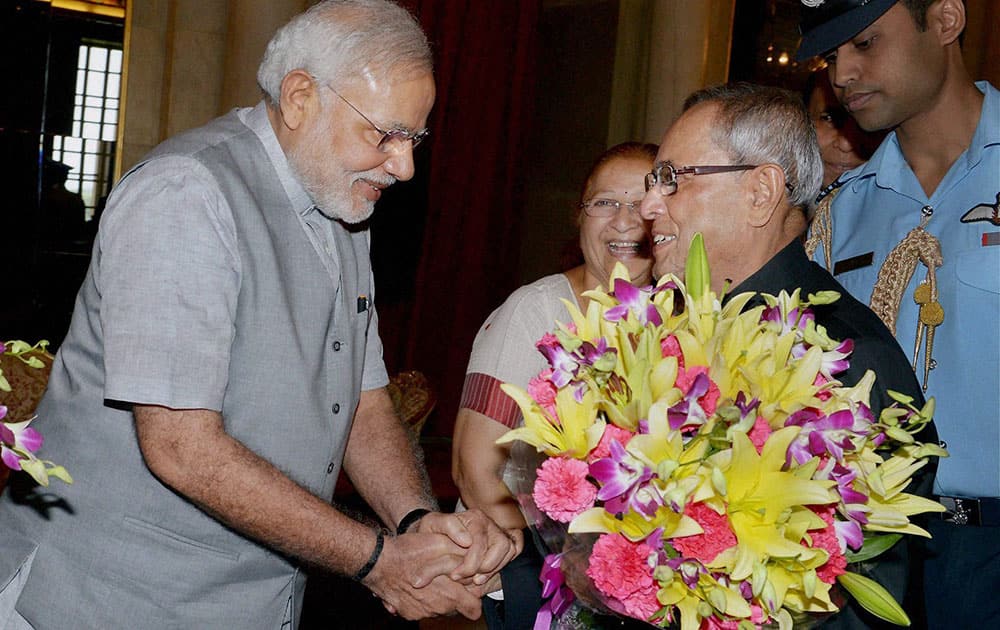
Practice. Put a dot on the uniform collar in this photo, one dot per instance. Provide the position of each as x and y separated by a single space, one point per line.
890 168
988 129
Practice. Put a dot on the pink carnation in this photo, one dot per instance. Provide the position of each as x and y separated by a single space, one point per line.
562 490
826 538
717 537
670 347
543 391
685 378
759 433
603 448
548 339
620 569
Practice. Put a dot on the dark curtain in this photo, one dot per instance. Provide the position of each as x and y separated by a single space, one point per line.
445 245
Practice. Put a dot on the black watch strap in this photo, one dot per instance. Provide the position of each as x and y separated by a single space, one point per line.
411 517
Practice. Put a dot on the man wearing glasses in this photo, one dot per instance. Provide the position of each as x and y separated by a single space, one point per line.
740 166
224 360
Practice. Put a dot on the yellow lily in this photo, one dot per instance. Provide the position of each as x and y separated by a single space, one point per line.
577 433
761 500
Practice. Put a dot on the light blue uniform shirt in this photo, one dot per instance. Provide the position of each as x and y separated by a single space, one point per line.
880 203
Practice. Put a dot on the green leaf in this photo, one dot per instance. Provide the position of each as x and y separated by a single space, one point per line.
900 435
873 546
36 469
874 598
899 397
928 409
823 297
607 362
697 276
60 473
17 346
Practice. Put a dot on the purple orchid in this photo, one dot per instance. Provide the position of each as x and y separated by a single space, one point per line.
821 434
564 365
689 569
848 531
597 355
849 534
624 481
17 435
744 406
688 414
833 361
795 319
632 299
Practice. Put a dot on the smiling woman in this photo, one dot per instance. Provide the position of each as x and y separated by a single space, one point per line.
611 231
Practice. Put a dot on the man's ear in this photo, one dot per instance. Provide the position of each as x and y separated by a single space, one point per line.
767 193
947 19
297 91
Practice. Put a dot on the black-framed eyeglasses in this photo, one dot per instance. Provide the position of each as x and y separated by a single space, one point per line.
392 140
663 177
602 208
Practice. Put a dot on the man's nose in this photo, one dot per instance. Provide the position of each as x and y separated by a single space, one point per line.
845 68
399 163
652 205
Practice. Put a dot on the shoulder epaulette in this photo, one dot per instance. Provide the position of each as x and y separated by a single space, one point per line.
832 186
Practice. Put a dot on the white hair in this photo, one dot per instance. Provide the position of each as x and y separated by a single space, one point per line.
759 124
340 40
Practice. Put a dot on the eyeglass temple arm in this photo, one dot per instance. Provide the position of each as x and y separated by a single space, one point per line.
708 170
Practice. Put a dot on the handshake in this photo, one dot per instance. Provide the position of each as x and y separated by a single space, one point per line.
438 564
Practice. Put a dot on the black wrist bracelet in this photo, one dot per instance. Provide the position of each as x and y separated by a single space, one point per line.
411 517
372 559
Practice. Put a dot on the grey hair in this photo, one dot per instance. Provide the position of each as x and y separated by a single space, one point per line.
340 40
758 124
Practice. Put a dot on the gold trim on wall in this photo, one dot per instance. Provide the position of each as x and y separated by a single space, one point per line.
123 92
97 8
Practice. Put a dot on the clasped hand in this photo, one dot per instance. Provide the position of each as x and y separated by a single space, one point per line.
443 564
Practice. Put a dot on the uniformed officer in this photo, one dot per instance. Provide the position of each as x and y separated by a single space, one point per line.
915 231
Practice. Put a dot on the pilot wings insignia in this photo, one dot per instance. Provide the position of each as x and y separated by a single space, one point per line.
984 212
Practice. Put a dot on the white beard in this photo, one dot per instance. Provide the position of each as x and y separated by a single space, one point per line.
317 171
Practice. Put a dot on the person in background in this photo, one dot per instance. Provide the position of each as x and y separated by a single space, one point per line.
915 232
740 166
63 253
611 231
224 361
842 144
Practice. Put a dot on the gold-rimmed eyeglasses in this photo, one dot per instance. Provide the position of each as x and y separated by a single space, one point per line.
663 177
392 140
600 207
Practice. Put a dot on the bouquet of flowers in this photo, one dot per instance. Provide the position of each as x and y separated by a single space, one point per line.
717 472
18 441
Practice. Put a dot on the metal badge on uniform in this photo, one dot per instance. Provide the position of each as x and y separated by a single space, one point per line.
984 212
363 303
854 262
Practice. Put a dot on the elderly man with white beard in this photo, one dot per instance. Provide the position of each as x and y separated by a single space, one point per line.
223 361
